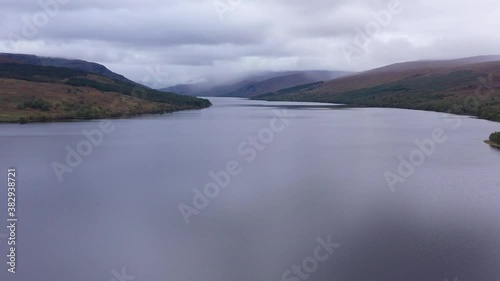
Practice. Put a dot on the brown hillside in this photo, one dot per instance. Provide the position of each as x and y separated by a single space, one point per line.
67 102
400 71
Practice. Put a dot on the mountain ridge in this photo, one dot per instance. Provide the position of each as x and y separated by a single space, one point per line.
31 92
77 64
255 84
443 86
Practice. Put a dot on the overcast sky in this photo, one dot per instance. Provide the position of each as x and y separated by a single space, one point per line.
165 42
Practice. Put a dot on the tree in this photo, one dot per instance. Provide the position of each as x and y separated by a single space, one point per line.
495 137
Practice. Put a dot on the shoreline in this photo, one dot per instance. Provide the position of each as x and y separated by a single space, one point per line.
111 117
492 144
353 105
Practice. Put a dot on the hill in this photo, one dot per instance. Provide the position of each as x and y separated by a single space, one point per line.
285 81
82 65
32 93
254 84
468 86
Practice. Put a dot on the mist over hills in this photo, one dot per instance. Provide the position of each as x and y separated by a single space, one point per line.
254 84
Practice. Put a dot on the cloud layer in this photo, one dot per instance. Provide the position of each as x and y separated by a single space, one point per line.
185 40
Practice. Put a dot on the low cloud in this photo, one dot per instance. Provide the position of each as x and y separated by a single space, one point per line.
188 39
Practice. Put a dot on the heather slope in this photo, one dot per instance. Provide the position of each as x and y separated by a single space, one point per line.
30 93
467 86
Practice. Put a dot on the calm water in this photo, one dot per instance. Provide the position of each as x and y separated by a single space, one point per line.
322 175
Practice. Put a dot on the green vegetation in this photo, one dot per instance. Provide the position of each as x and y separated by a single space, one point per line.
454 92
495 138
35 103
291 90
49 74
33 93
139 91
36 73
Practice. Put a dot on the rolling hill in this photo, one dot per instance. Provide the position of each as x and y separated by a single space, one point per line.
254 84
30 92
82 65
469 86
286 81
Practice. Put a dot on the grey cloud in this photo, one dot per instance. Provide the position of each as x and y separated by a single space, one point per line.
189 39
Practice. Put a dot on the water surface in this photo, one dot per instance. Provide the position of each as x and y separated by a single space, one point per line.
323 175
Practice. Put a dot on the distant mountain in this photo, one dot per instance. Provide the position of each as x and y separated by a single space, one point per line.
194 89
67 63
31 92
435 64
445 86
285 81
254 84
288 91
214 87
224 89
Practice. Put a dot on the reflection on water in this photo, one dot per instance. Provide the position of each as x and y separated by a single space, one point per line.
322 176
